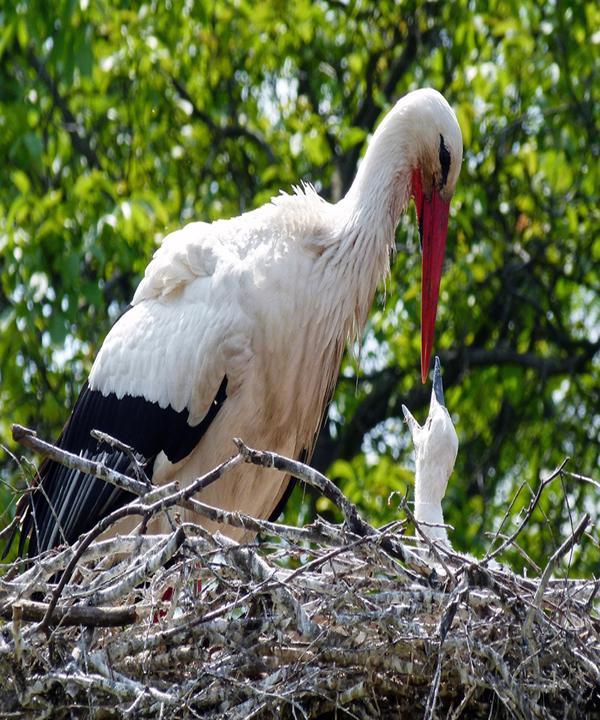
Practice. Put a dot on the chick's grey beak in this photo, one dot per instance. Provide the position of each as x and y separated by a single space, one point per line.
437 391
413 425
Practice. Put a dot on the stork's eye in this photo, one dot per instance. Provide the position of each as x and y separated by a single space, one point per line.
444 161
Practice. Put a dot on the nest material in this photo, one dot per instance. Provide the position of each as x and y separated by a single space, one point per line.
321 621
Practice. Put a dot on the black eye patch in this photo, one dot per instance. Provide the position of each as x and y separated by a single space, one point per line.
444 160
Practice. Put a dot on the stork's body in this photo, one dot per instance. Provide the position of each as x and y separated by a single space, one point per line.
278 342
239 326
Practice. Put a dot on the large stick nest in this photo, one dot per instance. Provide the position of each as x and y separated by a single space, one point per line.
321 621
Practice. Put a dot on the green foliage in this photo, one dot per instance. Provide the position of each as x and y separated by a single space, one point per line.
119 124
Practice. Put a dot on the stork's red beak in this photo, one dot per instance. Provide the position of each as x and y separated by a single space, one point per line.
432 214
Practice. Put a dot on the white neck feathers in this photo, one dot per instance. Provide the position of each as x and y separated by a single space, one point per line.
368 215
430 485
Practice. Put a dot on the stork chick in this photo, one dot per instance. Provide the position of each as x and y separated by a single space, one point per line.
436 445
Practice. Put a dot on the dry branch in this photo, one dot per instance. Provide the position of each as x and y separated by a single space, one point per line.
73 615
345 620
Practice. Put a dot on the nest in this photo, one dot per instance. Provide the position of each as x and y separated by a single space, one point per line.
318 621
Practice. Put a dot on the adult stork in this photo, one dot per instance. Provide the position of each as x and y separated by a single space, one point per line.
238 329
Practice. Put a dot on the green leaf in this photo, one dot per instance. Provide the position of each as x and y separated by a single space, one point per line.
21 180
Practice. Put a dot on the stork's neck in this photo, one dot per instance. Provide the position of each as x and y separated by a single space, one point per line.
430 486
381 190
431 480
431 514
368 215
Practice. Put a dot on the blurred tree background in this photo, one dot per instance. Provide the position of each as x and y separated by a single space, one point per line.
118 125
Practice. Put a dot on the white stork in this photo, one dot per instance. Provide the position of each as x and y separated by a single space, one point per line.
436 446
238 329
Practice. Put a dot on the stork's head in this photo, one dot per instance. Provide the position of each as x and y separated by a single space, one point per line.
436 163
436 443
415 152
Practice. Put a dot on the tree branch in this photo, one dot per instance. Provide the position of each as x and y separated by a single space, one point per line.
384 402
232 130
73 615
79 140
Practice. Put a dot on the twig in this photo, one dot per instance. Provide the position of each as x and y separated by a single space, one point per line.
315 479
528 513
536 568
29 439
142 571
10 528
137 462
583 478
507 515
548 570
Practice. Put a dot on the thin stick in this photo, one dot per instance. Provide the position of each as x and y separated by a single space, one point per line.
564 548
583 478
507 515
510 539
536 568
315 479
29 439
136 463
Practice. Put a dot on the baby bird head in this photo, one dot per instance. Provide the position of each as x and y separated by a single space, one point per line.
436 442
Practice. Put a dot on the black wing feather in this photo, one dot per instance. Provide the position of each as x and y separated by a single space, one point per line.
66 503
